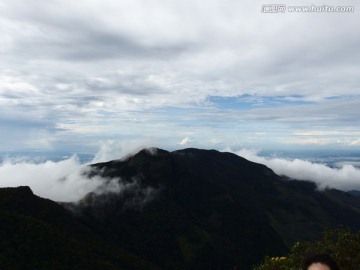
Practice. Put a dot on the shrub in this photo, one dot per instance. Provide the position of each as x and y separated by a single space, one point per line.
340 243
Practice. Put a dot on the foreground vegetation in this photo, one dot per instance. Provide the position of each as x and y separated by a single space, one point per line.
341 243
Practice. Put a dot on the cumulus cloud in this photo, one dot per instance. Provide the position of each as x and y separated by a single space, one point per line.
60 181
346 177
113 150
68 180
185 141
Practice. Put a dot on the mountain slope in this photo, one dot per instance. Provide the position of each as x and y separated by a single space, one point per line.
212 210
187 209
194 221
36 233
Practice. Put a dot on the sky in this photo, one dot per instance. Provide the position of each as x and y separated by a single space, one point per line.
201 73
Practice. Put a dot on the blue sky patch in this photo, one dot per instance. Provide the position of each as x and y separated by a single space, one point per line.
248 102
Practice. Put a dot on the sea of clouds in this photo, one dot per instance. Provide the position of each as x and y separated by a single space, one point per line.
67 180
344 177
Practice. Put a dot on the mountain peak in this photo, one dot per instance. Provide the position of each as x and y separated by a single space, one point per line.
204 209
152 151
219 193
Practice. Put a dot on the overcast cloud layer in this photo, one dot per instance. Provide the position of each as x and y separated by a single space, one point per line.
201 73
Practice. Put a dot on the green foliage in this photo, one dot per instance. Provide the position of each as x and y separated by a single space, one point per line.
340 243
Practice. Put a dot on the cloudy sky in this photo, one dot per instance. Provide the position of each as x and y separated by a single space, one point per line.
179 73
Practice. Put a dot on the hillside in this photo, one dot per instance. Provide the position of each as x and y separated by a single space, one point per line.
212 210
36 233
187 209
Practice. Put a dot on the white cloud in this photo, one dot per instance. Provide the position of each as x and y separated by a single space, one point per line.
113 150
346 177
66 180
98 69
326 132
185 141
311 141
60 181
354 142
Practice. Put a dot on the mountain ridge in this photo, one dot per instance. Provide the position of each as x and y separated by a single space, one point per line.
198 179
190 209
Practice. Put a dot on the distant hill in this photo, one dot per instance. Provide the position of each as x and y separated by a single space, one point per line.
187 209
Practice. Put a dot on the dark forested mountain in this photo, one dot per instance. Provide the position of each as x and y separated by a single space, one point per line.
36 233
187 209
